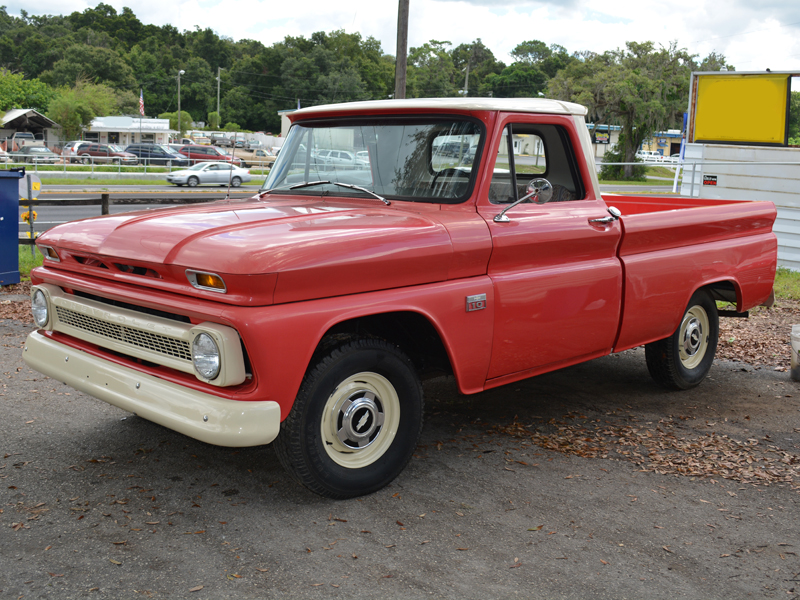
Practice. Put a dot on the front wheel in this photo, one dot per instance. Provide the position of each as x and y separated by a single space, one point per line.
683 360
193 181
236 181
355 421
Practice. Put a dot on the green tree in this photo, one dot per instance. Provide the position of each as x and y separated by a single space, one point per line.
431 72
232 127
18 92
641 88
476 60
186 121
794 119
75 108
213 120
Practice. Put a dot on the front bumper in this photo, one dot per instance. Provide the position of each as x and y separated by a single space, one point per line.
199 415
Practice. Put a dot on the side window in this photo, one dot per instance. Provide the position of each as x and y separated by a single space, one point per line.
530 151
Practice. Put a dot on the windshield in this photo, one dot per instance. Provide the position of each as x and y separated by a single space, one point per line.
168 150
115 148
427 159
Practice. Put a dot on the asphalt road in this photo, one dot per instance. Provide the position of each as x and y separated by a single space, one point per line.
95 502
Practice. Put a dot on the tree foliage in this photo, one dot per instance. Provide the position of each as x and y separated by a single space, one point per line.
74 108
18 92
641 88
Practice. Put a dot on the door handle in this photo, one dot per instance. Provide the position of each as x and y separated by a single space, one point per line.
614 214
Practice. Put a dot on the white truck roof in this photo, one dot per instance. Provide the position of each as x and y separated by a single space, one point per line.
529 105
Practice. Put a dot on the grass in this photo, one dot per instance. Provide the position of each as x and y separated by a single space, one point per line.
28 262
787 284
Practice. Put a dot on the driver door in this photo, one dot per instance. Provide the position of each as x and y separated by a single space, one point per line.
557 278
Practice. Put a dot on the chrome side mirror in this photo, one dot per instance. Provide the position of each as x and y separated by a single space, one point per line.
540 189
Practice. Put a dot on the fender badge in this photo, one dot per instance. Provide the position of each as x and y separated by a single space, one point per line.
476 302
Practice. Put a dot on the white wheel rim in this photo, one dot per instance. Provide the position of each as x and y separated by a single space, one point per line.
693 337
360 420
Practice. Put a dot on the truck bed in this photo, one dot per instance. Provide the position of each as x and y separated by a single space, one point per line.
672 245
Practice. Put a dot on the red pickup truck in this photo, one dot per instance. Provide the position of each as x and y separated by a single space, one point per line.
308 314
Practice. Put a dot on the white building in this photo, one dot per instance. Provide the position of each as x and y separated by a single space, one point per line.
128 130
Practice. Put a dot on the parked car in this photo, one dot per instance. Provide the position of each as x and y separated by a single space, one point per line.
106 153
253 144
649 156
338 158
261 158
210 172
201 141
673 159
157 154
240 142
205 153
217 139
34 154
70 150
4 157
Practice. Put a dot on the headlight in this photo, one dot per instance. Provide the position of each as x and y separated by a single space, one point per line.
39 308
205 356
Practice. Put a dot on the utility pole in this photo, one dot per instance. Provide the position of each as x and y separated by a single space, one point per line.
401 60
218 115
180 131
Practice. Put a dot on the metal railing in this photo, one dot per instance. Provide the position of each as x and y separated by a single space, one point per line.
105 201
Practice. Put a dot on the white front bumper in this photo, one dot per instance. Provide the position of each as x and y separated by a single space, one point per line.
202 416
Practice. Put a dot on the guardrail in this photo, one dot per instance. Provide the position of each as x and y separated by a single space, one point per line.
691 166
105 201
107 164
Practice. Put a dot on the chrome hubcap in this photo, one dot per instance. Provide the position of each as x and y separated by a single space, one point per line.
693 339
361 419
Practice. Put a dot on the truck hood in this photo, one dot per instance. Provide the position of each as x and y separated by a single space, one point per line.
316 249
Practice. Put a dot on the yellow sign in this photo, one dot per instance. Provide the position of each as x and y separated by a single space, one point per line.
36 187
744 109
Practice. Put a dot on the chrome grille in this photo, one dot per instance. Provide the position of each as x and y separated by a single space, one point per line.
160 344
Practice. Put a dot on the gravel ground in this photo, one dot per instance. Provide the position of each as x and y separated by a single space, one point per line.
590 482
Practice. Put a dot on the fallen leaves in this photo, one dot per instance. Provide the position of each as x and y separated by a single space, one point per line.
660 448
761 339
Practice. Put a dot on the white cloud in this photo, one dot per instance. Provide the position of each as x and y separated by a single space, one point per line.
752 36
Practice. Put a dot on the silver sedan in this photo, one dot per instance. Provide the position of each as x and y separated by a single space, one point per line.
218 173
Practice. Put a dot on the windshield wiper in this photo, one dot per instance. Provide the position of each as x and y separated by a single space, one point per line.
324 182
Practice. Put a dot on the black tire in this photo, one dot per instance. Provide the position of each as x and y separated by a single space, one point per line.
236 182
683 360
355 422
192 181
86 160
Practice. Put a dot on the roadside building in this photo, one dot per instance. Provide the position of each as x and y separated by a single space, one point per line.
27 120
128 130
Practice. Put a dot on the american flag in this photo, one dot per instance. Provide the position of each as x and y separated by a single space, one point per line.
141 102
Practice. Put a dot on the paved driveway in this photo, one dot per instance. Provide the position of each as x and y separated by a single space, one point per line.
95 502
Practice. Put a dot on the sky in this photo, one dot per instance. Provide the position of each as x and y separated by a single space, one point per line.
753 36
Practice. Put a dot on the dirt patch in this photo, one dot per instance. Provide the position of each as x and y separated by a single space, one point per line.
763 338
19 310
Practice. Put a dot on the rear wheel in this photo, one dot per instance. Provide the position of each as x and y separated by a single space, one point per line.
683 360
193 181
355 421
87 160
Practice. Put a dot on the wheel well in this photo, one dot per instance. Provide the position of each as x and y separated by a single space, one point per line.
724 291
410 331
